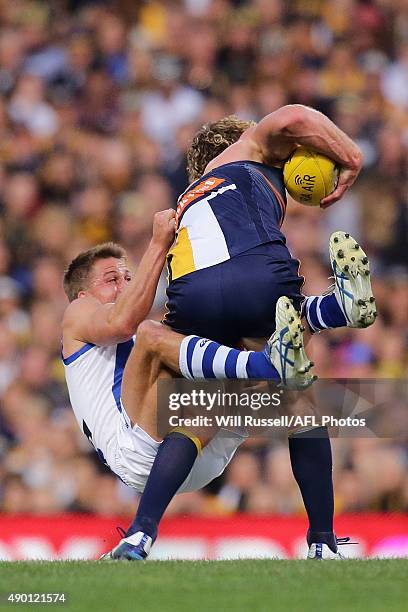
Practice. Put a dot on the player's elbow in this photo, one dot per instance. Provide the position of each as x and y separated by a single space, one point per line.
123 328
296 118
124 322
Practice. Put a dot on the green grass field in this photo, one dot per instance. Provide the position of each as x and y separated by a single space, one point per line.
374 585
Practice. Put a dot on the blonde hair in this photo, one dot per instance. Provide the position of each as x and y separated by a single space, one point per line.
211 140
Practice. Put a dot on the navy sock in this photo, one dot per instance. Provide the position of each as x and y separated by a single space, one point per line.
171 466
324 312
259 366
311 459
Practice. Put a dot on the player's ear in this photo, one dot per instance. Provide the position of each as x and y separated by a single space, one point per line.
81 294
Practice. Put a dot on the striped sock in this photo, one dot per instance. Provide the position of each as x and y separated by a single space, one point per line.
201 358
323 312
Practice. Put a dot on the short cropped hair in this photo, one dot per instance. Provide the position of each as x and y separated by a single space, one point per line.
77 274
211 140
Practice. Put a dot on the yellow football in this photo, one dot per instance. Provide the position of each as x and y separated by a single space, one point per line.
309 176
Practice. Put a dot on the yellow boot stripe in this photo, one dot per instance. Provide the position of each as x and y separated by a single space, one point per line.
189 435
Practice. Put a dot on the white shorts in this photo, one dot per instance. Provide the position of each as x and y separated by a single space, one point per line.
135 452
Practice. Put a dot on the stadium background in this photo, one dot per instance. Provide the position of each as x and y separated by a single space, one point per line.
98 103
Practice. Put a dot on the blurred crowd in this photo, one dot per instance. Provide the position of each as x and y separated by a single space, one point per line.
98 103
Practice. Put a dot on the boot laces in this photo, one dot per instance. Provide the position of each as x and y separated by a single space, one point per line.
342 541
121 531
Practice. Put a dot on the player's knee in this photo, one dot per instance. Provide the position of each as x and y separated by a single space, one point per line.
302 406
148 335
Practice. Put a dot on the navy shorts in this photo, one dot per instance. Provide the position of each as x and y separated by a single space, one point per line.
236 298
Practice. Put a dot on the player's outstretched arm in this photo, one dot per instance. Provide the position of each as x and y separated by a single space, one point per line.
277 135
87 320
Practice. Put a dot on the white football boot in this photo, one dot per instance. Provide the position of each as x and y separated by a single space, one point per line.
352 285
323 552
286 347
131 548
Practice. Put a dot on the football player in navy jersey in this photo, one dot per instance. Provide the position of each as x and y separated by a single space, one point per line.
233 279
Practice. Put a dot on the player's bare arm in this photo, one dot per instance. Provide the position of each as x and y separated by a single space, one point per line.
277 135
111 308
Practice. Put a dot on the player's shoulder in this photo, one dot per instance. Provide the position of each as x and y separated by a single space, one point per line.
78 308
244 150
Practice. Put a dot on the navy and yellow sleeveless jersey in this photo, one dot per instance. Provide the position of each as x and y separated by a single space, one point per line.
226 212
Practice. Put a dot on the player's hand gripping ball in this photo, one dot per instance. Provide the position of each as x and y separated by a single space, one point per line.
309 176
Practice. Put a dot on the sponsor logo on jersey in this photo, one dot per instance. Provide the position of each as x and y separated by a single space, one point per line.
196 192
